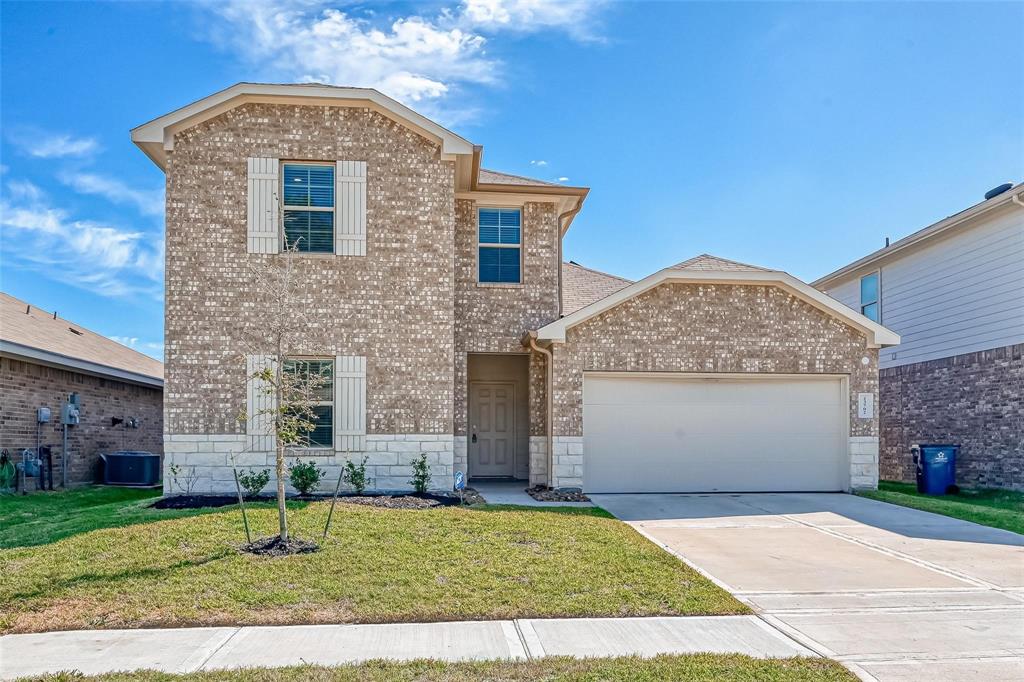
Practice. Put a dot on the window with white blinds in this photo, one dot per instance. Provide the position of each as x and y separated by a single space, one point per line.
308 203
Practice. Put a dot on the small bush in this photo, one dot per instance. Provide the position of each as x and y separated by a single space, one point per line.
355 475
420 475
305 476
253 482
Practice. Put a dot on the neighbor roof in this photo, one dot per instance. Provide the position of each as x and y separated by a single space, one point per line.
713 270
582 286
490 177
933 231
30 333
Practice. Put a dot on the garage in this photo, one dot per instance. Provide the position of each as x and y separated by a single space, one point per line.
699 433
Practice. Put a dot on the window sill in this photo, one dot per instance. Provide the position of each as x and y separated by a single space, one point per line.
311 451
500 285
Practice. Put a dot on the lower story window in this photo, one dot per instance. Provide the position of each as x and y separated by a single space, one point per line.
317 381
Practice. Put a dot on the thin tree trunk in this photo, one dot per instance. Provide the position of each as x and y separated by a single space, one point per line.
282 512
334 501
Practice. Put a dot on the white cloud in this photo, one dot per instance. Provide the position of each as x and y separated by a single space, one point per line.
129 341
563 179
538 163
92 256
418 59
149 202
45 145
527 16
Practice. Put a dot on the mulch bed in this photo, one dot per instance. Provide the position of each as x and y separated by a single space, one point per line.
276 547
542 494
400 501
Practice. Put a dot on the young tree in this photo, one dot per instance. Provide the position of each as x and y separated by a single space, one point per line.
286 389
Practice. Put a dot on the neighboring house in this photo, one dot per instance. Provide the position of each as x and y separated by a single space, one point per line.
954 291
45 358
452 327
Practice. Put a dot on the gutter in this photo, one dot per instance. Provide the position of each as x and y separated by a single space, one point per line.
530 339
22 352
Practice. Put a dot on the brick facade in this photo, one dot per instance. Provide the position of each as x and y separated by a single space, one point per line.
25 386
975 400
681 327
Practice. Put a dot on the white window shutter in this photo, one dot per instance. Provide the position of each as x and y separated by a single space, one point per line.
350 209
260 404
350 403
262 235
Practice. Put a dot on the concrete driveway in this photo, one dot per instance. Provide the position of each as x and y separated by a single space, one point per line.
896 593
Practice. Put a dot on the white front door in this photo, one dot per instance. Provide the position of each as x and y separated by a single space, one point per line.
492 430
652 433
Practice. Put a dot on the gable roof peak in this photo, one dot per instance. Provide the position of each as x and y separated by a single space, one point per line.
706 261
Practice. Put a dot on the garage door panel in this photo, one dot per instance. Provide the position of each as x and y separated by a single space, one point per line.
646 434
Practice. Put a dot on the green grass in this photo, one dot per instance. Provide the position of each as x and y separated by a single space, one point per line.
996 508
44 517
377 565
694 667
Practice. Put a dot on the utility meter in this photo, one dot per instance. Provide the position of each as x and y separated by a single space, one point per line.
43 415
69 412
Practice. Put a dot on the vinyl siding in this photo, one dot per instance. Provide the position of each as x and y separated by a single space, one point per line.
957 294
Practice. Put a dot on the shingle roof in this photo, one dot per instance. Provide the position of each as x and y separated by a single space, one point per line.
582 286
40 330
709 262
489 177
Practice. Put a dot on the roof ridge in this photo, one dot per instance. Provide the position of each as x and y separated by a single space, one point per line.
708 256
599 272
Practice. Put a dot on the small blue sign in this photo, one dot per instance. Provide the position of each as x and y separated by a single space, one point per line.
460 480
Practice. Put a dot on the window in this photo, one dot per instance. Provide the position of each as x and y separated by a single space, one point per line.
321 375
869 296
500 242
309 207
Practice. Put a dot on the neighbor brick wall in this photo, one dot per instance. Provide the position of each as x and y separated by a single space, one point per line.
975 400
394 306
26 386
493 318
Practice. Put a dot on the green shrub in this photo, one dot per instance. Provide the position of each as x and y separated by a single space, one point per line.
253 482
355 475
305 476
420 475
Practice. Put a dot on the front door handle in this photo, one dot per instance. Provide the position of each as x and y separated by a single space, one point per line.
474 438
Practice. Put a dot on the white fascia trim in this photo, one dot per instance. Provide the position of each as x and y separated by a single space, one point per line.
20 352
921 235
878 336
156 138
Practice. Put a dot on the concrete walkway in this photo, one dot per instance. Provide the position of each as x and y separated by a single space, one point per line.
895 593
190 649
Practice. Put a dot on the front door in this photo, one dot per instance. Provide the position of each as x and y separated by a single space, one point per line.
492 429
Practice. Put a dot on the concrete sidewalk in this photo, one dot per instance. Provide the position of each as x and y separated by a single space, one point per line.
190 649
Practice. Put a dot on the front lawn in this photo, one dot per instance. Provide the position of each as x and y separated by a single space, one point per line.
378 565
44 517
996 508
692 668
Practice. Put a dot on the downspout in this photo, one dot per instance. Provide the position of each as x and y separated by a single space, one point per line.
530 338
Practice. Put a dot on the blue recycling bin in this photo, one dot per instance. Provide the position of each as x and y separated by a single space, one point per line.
936 468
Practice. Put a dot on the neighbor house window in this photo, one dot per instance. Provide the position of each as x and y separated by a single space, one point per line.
869 296
500 245
309 206
318 377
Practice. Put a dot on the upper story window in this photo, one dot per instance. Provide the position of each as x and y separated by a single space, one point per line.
308 191
318 377
500 238
869 296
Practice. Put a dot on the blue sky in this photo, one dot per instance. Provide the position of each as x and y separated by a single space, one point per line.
795 136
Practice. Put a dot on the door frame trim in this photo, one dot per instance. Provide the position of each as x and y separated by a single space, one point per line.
844 392
469 425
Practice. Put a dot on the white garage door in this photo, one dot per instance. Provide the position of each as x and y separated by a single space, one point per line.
670 434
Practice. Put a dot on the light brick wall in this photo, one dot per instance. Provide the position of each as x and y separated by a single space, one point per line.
394 306
492 319
26 386
975 400
212 458
680 327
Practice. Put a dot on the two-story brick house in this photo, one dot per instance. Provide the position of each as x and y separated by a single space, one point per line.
438 309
